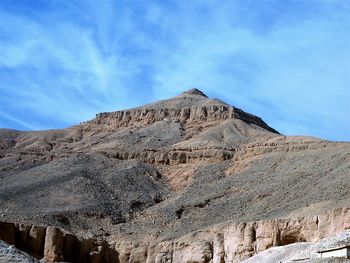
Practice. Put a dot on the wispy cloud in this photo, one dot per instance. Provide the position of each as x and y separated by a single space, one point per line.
287 61
16 122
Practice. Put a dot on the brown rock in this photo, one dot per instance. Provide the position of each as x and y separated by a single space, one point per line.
71 248
53 250
36 241
7 232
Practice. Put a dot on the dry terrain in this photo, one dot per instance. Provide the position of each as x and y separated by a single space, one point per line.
169 181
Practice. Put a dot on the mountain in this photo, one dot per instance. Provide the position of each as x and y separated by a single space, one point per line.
178 171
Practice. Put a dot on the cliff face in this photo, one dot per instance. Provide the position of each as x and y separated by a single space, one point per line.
234 242
145 116
168 182
225 243
55 245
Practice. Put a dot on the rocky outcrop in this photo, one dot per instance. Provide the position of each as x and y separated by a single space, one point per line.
55 245
225 243
214 154
234 242
175 156
145 116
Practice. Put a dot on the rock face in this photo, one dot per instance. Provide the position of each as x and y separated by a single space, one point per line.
233 242
304 251
187 179
199 112
229 242
55 245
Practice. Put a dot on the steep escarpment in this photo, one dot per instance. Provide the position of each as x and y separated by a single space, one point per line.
173 179
55 245
189 107
226 242
234 242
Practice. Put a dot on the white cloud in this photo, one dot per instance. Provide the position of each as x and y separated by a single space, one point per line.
286 62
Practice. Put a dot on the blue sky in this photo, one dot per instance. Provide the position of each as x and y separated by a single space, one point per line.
287 61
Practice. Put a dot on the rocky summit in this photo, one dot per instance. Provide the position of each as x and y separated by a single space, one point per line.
187 179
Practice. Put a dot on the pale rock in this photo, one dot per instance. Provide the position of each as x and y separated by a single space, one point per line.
53 250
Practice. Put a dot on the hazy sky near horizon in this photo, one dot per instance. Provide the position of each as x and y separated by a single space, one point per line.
287 61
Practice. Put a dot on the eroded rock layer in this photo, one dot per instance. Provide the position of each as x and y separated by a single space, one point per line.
228 242
55 245
145 116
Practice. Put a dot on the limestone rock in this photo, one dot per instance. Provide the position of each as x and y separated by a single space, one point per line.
53 250
36 240
233 242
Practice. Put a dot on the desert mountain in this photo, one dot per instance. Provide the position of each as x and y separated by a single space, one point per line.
188 179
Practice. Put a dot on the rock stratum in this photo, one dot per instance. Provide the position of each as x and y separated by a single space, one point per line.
188 179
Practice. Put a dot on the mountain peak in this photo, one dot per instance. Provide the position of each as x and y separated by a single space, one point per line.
194 92
191 106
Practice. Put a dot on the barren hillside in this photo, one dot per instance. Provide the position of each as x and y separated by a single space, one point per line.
187 168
